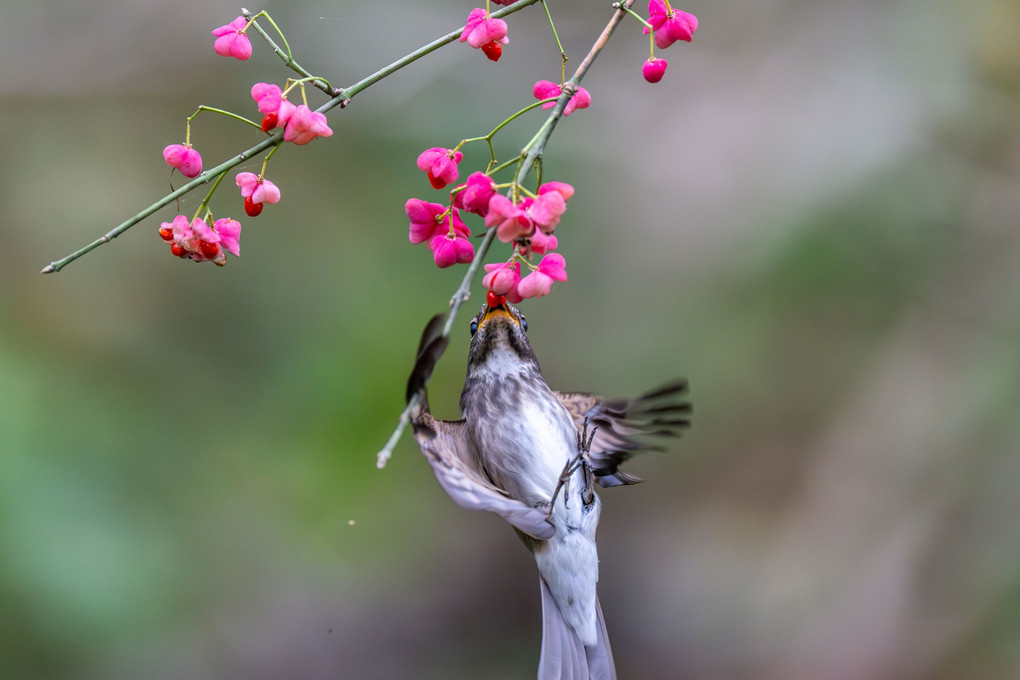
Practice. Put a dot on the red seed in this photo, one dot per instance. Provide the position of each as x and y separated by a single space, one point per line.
435 181
269 121
252 209
493 50
494 300
166 233
209 250
178 250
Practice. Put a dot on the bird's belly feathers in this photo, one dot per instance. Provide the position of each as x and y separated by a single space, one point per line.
525 447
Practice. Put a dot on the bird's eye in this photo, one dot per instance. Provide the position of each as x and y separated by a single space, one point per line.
524 324
474 326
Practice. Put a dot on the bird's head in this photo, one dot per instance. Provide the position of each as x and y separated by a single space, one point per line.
499 338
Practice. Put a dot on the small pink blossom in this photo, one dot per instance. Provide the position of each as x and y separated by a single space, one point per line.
669 25
424 218
258 189
511 221
184 158
539 282
267 96
546 89
304 125
654 69
502 278
270 101
231 40
440 164
475 195
546 210
540 243
565 190
451 248
204 232
181 228
230 235
448 239
481 30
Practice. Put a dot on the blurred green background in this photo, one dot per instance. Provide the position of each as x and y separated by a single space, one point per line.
814 217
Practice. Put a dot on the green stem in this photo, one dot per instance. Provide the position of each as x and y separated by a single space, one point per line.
503 166
228 114
286 45
529 156
265 161
488 137
209 195
634 14
340 98
285 54
563 54
462 294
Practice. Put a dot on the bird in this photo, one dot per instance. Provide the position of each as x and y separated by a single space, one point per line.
534 456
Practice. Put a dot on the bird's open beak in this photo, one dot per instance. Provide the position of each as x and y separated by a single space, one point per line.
496 306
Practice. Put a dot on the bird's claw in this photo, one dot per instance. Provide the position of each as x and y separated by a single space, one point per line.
584 440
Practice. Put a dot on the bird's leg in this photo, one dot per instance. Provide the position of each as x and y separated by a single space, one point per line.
584 440
564 482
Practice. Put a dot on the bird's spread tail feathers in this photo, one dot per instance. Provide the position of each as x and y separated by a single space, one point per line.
564 656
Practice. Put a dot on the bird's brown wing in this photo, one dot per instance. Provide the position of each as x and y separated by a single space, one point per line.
445 445
623 423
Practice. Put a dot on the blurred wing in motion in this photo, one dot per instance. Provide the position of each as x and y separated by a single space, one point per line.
430 348
623 423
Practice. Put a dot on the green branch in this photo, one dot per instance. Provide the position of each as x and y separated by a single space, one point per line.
340 98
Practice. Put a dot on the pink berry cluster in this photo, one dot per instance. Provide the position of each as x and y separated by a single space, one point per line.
204 239
201 241
667 25
525 219
300 124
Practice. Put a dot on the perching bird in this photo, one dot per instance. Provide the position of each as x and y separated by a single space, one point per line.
532 455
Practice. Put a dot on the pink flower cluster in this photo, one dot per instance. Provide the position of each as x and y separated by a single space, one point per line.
528 223
300 124
198 241
504 278
668 25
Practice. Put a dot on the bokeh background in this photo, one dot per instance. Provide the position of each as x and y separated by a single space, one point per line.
814 217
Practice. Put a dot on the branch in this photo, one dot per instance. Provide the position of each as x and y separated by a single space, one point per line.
340 98
529 156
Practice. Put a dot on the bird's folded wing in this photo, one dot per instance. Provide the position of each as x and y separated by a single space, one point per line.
444 444
622 424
